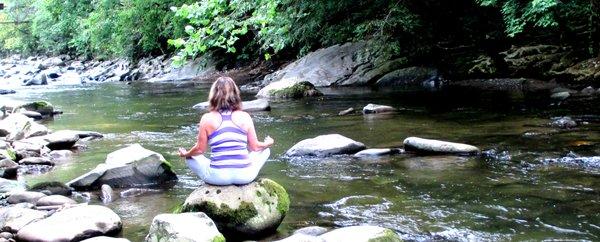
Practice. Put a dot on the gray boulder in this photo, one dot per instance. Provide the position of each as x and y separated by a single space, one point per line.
52 61
42 107
31 114
289 88
52 188
54 200
12 219
361 234
8 168
128 167
430 146
248 106
301 238
564 122
18 126
24 197
83 222
183 227
242 212
376 108
59 140
105 239
407 76
10 186
39 79
325 145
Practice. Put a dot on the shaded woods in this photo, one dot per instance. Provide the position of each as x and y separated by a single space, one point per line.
462 38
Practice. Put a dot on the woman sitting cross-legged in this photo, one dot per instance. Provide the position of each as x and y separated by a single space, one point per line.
236 154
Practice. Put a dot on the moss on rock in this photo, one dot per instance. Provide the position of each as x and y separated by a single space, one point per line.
387 236
223 215
219 238
298 90
283 199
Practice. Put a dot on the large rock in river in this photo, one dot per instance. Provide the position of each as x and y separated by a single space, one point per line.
361 234
73 224
430 146
248 106
12 219
183 227
289 88
242 212
132 166
18 126
325 145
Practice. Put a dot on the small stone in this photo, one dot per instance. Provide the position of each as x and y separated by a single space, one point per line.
588 91
560 95
325 145
376 152
431 146
346 112
564 122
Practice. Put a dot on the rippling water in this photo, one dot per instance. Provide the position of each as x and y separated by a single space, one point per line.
511 196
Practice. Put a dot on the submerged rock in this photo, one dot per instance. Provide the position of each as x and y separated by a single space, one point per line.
325 145
363 233
289 89
84 221
128 167
183 227
376 108
430 146
248 106
242 212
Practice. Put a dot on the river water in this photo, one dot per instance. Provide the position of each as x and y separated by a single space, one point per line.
511 195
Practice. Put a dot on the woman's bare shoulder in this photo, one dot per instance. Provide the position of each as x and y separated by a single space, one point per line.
209 118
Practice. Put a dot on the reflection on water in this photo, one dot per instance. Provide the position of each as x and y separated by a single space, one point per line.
508 194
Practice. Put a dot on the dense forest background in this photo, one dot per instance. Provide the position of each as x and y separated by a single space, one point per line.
428 32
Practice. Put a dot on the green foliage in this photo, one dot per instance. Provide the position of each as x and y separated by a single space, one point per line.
16 37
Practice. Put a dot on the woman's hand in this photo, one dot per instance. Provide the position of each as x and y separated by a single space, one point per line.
269 141
182 152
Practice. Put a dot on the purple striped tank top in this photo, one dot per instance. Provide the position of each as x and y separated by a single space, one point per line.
229 144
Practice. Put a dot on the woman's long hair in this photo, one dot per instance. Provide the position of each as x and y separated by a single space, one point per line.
224 95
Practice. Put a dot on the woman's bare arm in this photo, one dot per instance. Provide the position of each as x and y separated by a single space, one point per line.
253 143
201 140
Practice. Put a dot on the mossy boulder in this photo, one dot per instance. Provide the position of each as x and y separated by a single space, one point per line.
289 88
242 212
183 227
42 107
361 234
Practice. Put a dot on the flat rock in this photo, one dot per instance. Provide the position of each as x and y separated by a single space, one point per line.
242 212
6 91
183 227
346 112
59 140
36 161
60 155
12 219
25 197
430 146
18 126
289 88
132 166
31 114
54 200
325 145
376 108
248 106
377 152
83 222
361 234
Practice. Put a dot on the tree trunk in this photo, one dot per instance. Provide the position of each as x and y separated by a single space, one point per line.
594 28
